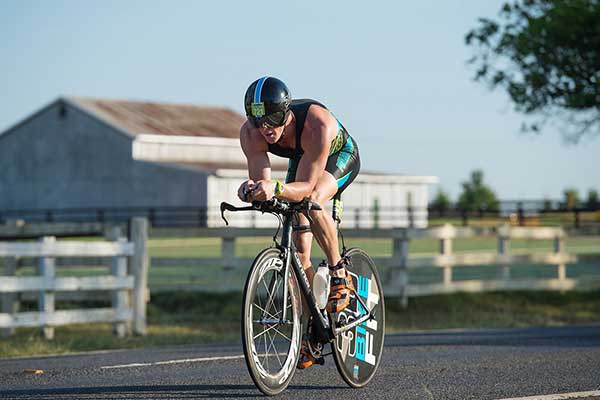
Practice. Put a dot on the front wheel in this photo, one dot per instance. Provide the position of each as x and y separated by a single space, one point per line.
271 345
357 352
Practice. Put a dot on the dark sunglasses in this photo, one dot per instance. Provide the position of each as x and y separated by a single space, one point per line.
270 121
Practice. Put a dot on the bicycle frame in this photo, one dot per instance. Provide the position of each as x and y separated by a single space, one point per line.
321 324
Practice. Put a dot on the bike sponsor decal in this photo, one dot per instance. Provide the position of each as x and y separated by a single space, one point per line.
358 343
355 372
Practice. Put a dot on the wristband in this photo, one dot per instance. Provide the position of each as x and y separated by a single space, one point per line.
278 188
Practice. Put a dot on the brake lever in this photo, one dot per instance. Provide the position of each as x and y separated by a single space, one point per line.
226 206
311 205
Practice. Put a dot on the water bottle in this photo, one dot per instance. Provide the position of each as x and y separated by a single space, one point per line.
321 285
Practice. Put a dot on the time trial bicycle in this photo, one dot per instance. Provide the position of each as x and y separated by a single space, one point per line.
272 309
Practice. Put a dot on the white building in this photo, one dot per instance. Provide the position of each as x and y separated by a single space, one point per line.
107 155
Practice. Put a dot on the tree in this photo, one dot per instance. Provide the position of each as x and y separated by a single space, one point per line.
441 203
592 202
571 196
546 55
476 195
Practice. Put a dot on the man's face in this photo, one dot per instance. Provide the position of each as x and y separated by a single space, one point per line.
271 134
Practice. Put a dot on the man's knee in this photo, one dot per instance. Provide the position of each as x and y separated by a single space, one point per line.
303 241
319 198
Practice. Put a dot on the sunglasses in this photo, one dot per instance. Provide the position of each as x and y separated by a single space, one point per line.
269 121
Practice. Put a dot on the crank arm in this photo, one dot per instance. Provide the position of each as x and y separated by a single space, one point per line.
357 322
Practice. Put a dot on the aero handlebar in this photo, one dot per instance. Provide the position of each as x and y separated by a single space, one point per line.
275 206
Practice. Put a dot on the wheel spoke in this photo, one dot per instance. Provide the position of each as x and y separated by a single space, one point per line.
266 312
266 356
272 338
283 334
273 292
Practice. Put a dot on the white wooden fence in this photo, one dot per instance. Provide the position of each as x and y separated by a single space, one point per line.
129 288
403 264
503 258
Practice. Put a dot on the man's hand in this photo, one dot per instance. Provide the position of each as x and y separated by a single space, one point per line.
263 190
244 192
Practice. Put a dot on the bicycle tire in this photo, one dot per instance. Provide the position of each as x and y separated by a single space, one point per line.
357 352
270 379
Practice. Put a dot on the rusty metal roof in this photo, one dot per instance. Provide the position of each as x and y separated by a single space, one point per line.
136 117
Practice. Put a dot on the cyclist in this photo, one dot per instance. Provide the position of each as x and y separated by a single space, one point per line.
324 160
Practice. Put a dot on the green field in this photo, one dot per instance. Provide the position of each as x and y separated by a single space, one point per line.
216 278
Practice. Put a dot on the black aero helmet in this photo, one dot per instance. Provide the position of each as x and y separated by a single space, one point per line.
267 102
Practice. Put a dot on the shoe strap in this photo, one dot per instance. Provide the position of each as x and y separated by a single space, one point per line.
341 264
345 281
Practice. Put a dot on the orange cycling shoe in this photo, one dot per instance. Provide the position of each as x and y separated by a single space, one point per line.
306 358
341 288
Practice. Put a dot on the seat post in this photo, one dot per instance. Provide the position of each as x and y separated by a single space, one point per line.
336 213
338 208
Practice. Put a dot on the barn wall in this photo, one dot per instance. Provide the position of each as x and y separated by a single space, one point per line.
64 158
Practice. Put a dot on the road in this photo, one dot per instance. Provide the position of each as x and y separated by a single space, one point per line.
479 364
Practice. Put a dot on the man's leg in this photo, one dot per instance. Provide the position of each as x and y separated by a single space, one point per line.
324 229
303 243
323 226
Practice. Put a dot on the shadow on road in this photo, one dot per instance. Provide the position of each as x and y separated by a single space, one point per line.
148 391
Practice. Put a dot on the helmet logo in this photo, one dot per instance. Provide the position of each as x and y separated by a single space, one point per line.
258 109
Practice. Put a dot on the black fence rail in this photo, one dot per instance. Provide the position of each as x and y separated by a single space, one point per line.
157 216
517 213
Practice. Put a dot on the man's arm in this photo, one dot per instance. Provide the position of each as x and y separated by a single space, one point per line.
255 150
319 130
259 166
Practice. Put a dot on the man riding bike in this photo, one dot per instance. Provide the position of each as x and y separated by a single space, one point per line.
324 160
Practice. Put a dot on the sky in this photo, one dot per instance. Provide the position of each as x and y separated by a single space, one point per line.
394 72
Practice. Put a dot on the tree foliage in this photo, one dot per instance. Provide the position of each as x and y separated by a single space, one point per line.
546 55
571 198
592 203
441 202
476 195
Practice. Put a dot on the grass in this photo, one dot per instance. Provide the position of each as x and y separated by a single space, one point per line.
177 318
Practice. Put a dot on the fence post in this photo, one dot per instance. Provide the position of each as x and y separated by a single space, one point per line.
119 301
9 300
559 248
47 270
448 234
228 252
503 251
399 272
139 264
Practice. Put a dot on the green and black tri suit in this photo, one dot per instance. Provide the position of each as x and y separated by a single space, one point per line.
343 161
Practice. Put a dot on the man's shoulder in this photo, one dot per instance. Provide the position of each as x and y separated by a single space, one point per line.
251 139
320 120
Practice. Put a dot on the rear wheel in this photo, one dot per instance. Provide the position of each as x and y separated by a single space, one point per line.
271 346
357 352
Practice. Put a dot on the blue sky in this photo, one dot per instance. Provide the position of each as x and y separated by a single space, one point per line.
393 72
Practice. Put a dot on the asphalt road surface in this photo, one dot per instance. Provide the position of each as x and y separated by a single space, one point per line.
480 364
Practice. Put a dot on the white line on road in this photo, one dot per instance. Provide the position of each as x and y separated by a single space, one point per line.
563 396
187 360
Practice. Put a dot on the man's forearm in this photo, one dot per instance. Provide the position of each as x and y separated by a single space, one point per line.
296 191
